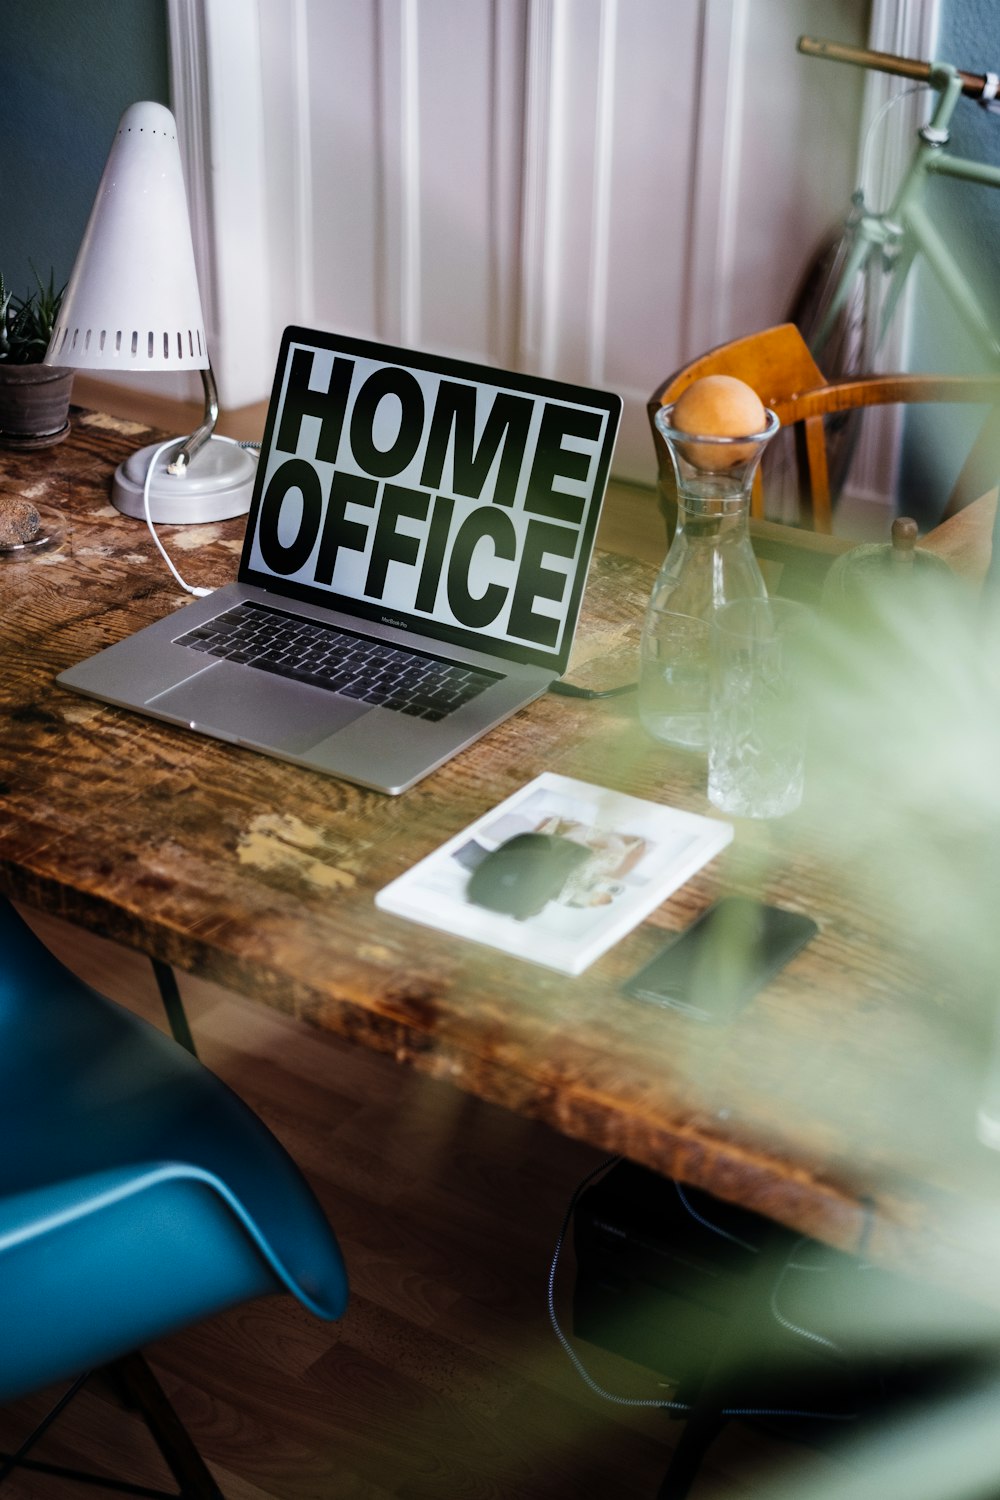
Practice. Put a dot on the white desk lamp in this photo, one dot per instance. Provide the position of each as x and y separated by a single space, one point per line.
132 304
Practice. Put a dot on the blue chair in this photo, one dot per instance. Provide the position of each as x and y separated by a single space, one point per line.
137 1196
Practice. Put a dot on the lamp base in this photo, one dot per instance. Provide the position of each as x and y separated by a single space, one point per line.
218 484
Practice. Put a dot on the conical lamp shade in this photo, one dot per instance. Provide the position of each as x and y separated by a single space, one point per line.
132 302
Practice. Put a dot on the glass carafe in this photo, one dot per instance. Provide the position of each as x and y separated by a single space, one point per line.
710 562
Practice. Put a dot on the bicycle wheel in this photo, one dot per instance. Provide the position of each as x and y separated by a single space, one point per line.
846 344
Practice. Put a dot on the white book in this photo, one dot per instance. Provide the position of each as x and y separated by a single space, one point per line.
640 853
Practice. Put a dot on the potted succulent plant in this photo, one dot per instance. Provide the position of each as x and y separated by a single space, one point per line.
34 398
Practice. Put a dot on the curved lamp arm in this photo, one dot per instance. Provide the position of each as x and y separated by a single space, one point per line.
178 464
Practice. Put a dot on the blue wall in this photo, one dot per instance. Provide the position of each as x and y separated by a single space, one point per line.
937 442
70 67
970 38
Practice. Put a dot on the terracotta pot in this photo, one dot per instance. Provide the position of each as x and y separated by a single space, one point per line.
34 404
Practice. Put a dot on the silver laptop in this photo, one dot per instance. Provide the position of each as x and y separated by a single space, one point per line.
414 562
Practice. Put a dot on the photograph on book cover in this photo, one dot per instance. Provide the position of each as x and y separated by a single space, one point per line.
639 852
601 879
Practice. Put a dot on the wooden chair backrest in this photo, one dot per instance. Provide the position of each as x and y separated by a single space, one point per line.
779 367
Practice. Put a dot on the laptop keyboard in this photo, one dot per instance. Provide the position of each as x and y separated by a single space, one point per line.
323 656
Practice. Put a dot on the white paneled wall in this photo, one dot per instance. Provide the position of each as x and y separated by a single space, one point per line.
909 27
592 189
396 165
612 123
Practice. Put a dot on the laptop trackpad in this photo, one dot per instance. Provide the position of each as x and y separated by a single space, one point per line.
257 707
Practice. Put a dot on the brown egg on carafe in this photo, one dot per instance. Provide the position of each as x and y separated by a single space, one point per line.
718 406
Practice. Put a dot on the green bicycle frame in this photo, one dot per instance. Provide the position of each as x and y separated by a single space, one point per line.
909 225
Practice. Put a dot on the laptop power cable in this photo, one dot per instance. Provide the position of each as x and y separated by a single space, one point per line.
571 690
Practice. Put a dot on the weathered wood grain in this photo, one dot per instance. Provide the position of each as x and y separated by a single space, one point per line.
826 1100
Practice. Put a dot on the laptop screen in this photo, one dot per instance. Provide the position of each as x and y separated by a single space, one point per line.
430 494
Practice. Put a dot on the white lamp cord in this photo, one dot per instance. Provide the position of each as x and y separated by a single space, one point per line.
217 437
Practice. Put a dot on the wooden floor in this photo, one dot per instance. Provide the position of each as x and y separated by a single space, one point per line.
444 1381
444 1378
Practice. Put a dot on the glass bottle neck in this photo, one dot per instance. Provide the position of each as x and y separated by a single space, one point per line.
713 517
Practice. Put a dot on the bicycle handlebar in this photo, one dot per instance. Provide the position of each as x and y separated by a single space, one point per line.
974 85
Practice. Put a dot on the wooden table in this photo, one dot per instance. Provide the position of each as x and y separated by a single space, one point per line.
823 1105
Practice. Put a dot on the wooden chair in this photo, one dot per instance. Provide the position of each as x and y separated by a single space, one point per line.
778 365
